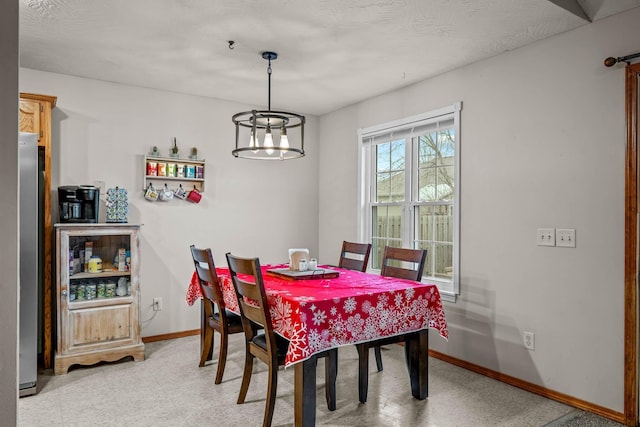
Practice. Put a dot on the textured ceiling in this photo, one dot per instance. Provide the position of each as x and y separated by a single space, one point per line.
332 53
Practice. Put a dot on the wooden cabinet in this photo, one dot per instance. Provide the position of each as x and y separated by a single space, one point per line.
174 172
98 311
30 116
35 117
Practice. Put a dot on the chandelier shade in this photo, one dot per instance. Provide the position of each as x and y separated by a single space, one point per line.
266 134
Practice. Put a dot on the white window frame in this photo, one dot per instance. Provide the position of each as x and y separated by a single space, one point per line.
449 289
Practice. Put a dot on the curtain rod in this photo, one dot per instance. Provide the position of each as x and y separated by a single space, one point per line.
611 61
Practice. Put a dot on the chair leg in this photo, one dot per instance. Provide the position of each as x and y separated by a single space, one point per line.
378 358
207 345
330 375
246 376
222 357
363 372
271 394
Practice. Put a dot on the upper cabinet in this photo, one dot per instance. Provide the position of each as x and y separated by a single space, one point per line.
35 117
30 117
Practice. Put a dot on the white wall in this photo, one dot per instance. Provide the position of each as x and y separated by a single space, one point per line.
9 210
543 143
101 132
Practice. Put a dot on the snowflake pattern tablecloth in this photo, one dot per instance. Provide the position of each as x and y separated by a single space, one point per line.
319 314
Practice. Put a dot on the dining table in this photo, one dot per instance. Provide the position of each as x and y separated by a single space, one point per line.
326 310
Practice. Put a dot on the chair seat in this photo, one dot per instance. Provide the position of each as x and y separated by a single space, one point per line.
282 343
232 319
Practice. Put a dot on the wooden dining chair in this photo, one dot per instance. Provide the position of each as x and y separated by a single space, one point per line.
354 256
216 317
269 347
396 262
403 263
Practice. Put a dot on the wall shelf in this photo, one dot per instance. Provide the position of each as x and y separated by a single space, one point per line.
170 170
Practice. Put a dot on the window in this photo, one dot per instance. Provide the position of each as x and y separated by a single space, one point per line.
409 191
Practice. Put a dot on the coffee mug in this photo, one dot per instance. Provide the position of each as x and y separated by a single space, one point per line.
180 193
194 196
151 194
165 194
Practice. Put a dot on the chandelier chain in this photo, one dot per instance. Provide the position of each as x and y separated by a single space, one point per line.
269 93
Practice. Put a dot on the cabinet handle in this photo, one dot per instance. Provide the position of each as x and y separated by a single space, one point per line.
64 293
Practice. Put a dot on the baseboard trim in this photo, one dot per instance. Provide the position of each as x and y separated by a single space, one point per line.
533 388
172 335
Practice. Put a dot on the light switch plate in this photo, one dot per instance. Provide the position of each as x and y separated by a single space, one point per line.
566 237
546 237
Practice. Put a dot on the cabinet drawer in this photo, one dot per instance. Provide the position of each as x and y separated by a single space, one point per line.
100 325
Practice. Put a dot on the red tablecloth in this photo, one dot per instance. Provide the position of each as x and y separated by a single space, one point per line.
320 314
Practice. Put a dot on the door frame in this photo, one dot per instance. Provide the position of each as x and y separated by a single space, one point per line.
632 75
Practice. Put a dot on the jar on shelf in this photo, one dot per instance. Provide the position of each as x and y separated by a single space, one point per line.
110 290
101 290
95 264
121 288
81 292
152 168
91 291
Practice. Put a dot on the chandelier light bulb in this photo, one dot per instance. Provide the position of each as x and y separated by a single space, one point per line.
268 141
253 142
284 140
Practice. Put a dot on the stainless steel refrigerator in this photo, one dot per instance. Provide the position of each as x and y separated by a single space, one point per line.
28 305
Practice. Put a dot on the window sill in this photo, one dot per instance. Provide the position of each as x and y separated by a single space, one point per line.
448 296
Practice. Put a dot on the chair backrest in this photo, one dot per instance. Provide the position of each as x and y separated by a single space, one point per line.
401 256
252 298
209 284
348 261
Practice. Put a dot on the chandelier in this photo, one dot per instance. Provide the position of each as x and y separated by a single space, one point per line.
259 130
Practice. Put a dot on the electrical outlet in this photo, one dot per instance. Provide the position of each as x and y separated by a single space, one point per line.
529 339
157 304
101 186
546 237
